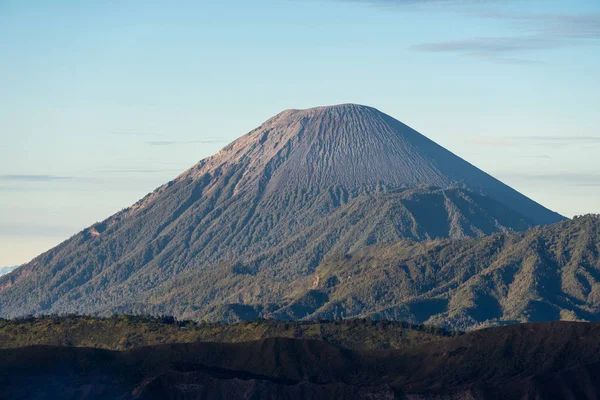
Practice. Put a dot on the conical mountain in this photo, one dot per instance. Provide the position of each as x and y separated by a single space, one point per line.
357 148
250 225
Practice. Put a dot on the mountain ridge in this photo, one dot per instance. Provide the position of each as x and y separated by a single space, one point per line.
544 274
271 205
392 154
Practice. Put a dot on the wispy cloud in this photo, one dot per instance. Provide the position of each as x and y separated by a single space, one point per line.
136 171
560 139
491 141
158 142
532 32
37 230
582 179
574 26
538 157
597 184
537 141
537 33
503 50
498 49
131 132
33 178
176 142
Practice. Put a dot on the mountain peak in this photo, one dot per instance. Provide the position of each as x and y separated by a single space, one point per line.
355 147
333 108
339 110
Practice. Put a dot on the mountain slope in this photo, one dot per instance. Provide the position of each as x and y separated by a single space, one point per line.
269 207
544 274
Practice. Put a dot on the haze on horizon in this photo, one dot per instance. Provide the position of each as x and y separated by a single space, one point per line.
103 102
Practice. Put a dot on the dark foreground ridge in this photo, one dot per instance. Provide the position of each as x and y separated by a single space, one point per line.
536 360
244 226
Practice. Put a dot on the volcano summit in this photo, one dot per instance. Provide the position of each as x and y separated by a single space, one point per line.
241 234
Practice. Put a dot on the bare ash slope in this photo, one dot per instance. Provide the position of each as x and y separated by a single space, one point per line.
353 146
256 219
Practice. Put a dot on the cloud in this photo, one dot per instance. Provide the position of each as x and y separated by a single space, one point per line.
561 139
491 141
176 142
137 171
537 141
568 177
33 178
535 156
501 50
513 61
573 178
494 49
36 230
533 32
588 184
131 132
573 26
539 32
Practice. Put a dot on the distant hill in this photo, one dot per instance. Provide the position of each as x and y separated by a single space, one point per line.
6 270
537 361
251 224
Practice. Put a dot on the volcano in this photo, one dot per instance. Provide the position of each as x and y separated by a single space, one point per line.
241 232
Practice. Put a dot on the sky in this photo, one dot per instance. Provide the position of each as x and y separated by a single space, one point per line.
103 101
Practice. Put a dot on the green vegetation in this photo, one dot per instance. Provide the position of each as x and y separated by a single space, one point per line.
526 361
128 331
544 274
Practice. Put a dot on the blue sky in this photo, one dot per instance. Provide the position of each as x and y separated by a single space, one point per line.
103 101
